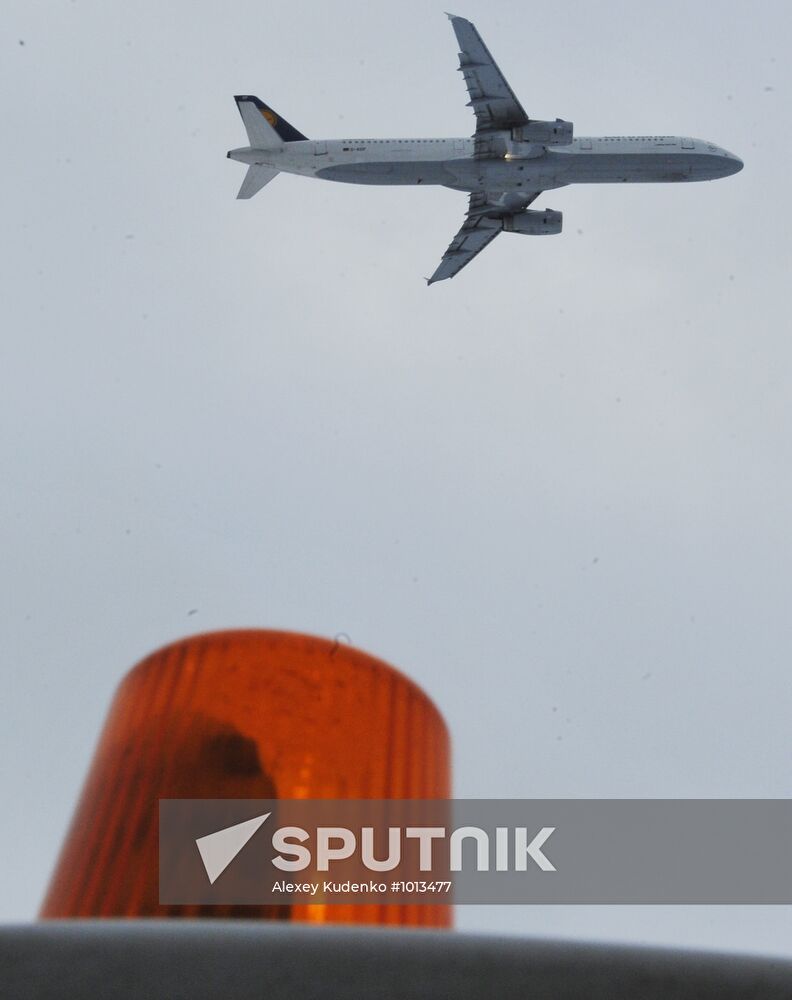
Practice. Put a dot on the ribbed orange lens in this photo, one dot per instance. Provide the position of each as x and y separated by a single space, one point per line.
244 714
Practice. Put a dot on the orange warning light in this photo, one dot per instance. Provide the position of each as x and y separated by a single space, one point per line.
247 714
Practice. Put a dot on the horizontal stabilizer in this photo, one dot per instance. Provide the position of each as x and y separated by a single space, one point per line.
255 179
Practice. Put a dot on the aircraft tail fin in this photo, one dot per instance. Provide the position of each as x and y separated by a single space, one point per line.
264 127
255 179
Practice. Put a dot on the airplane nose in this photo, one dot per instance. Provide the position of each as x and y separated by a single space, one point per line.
733 164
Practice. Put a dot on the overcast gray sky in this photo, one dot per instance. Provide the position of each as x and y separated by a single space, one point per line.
555 491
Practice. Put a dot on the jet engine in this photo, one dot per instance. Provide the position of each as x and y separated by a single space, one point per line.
557 133
529 223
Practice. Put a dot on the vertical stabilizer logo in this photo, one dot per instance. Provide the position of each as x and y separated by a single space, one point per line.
219 849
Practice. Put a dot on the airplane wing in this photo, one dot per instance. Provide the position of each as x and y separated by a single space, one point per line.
483 223
491 97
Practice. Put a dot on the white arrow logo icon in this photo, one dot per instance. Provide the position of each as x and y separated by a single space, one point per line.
219 849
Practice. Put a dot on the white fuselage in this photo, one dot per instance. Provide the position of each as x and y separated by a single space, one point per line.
451 162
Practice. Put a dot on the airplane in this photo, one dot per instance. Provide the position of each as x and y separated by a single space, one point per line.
509 161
